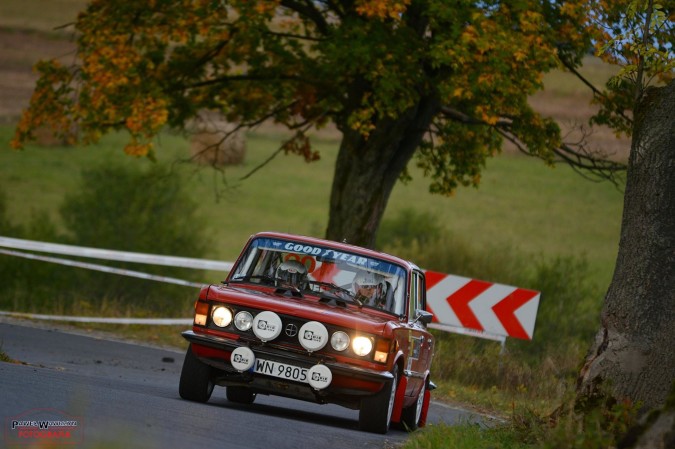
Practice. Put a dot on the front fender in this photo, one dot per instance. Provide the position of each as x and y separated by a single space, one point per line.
398 400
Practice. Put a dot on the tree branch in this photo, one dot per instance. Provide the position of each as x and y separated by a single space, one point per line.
308 10
569 66
263 163
596 92
646 36
458 116
295 36
576 155
273 155
228 78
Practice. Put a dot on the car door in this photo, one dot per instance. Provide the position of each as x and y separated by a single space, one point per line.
420 341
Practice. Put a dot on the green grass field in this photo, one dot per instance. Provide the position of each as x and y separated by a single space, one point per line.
521 204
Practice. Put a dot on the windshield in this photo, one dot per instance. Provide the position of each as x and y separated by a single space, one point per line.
324 270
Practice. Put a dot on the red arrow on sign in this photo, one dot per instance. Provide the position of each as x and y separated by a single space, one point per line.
485 307
459 302
506 308
433 278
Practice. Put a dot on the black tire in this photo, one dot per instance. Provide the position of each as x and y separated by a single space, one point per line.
410 416
240 395
196 379
375 411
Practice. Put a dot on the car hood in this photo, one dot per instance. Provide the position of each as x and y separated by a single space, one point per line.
306 307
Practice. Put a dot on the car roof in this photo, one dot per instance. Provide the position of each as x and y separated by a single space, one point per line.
338 245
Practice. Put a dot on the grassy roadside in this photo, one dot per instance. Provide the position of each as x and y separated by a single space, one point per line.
5 358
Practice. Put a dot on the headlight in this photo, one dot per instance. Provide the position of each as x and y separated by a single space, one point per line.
362 346
243 320
222 316
339 341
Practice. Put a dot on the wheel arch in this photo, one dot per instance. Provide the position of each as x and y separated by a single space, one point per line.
399 365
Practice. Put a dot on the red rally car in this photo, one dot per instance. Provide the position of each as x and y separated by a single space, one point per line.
319 321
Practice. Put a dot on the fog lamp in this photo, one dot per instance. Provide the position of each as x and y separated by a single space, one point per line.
339 341
243 320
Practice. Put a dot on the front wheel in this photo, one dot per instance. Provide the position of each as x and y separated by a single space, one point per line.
196 379
375 411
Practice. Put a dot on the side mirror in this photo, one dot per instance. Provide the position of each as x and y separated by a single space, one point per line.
423 317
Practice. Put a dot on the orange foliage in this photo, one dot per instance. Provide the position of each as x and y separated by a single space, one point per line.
142 66
382 9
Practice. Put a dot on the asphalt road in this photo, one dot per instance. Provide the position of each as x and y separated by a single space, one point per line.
123 395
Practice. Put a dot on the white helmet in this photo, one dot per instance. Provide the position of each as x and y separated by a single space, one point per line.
368 280
292 273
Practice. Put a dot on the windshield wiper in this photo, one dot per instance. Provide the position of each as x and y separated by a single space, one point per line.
332 287
329 291
253 277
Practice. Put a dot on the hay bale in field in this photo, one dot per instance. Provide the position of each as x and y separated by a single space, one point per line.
215 141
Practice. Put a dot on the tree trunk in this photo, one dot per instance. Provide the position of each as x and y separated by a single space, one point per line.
367 170
634 352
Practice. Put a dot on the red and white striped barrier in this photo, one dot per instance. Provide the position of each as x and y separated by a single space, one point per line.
481 308
459 304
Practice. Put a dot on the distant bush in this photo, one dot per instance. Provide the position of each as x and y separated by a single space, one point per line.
407 227
23 279
567 318
114 208
135 210
130 209
420 237
569 309
7 268
6 227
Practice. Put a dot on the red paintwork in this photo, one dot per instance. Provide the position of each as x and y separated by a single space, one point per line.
205 351
398 402
425 408
367 320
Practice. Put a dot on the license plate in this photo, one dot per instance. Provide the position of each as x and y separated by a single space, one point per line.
282 370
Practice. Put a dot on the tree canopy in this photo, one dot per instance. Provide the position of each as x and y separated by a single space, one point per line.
446 82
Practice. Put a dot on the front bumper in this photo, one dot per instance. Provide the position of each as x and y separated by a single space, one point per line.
338 369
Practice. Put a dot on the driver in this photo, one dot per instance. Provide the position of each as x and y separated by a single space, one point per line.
291 274
369 288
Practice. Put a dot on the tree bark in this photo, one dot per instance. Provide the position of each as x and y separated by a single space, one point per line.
634 351
367 170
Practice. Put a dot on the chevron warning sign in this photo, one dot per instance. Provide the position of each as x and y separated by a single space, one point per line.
484 307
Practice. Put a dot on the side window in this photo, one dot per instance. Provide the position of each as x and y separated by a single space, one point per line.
416 295
414 298
421 291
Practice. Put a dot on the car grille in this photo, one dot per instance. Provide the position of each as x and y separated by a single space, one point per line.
289 335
